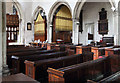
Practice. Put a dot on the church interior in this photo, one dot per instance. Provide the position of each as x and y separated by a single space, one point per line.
59 41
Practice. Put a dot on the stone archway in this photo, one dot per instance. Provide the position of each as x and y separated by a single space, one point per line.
77 10
50 17
3 65
35 15
21 38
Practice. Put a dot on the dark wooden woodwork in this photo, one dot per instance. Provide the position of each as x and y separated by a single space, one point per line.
12 46
79 72
101 51
82 49
115 71
98 52
39 36
38 69
103 22
95 70
18 78
14 50
109 41
81 22
62 47
44 45
12 27
114 78
53 29
64 35
26 53
90 36
20 50
111 51
50 46
18 61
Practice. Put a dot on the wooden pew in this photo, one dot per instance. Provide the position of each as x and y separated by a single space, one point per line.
92 70
70 47
95 69
110 51
114 78
98 51
13 46
82 49
38 69
25 49
18 61
114 67
61 47
26 53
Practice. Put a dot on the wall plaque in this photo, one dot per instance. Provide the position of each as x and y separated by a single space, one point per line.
103 22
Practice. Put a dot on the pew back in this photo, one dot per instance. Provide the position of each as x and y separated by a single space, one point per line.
18 61
81 72
40 67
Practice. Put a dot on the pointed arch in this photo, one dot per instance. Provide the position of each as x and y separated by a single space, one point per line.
80 4
39 21
54 8
36 11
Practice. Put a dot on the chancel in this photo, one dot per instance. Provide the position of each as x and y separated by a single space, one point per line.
60 41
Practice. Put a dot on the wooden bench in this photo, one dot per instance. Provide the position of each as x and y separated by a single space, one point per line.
25 49
12 46
26 53
96 69
61 47
114 78
92 70
18 65
114 67
38 69
98 51
82 49
111 51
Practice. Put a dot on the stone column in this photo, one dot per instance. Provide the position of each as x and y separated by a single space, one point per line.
4 65
116 29
76 33
1 38
118 25
50 33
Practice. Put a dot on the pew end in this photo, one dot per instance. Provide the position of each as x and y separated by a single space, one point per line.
70 52
82 49
30 69
55 75
90 81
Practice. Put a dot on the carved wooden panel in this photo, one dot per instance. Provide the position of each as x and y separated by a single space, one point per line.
12 29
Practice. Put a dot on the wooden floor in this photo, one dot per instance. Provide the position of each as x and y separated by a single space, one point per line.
17 78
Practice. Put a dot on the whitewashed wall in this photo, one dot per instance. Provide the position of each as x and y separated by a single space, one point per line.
91 15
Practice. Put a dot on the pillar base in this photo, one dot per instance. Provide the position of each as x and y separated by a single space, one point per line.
5 71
